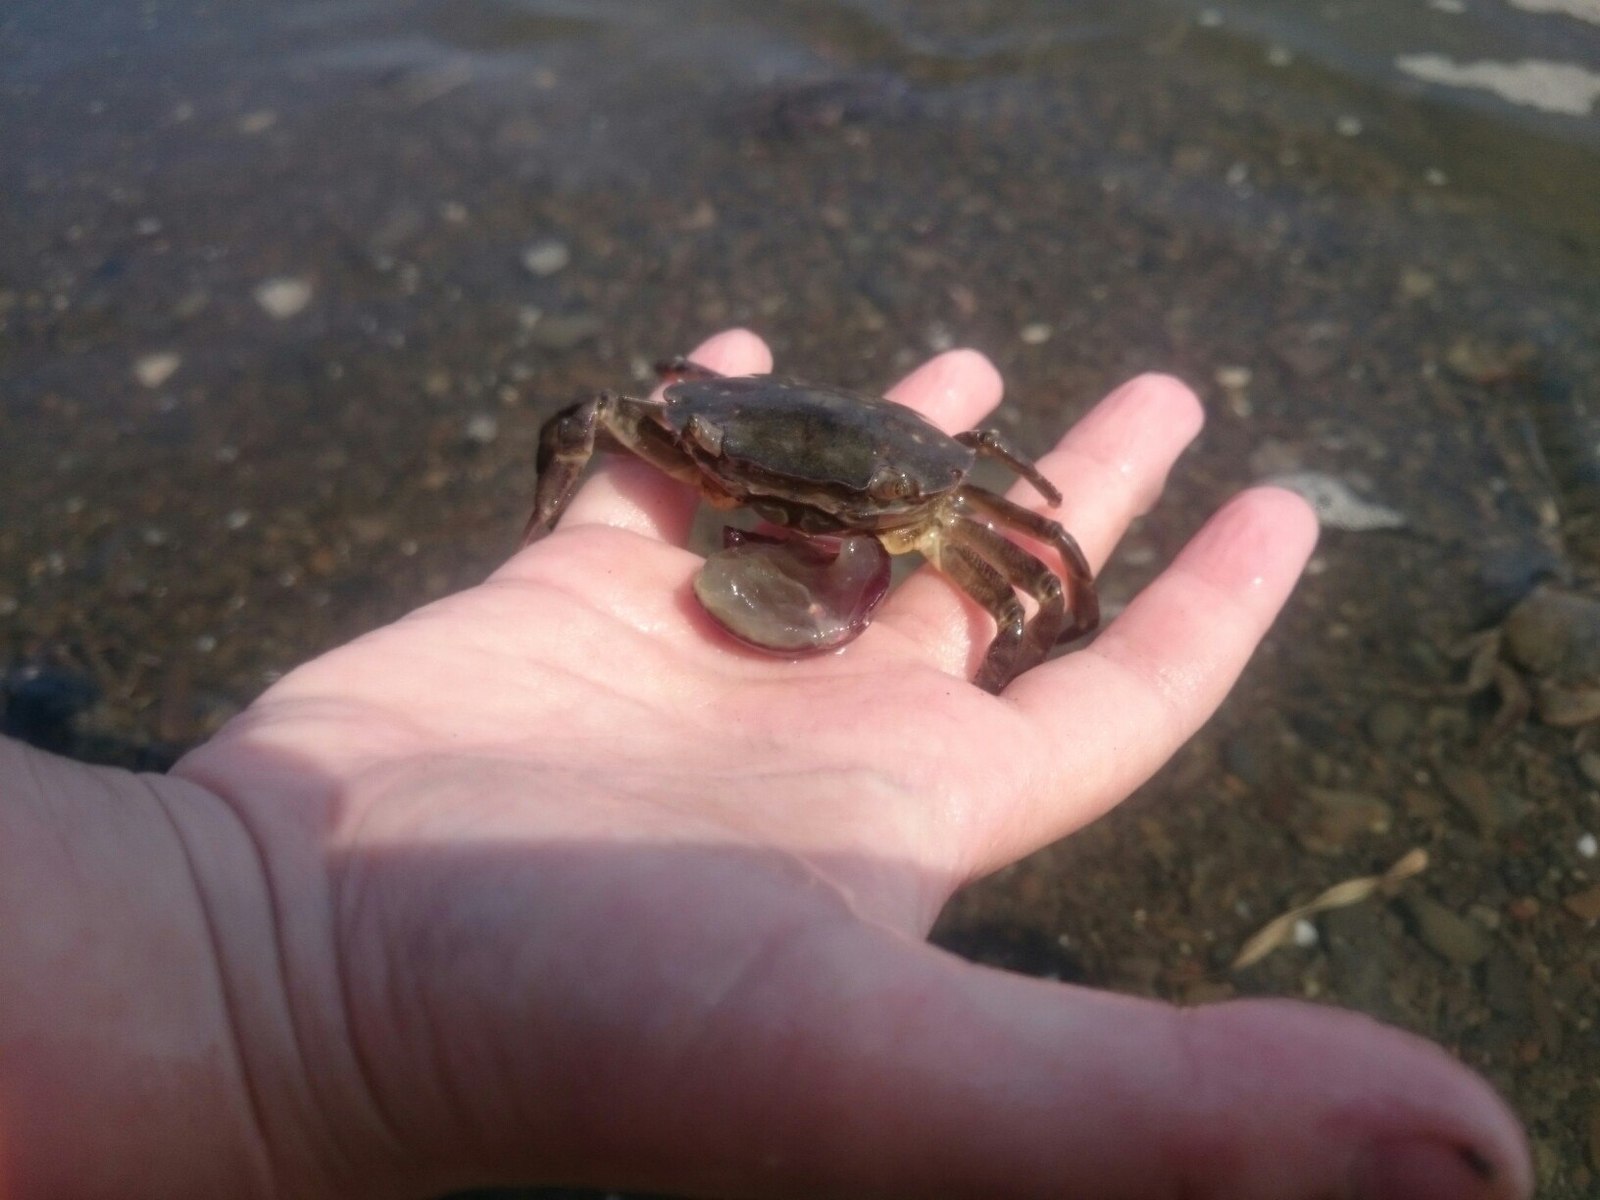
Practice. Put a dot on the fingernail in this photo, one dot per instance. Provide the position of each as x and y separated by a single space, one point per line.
1426 1169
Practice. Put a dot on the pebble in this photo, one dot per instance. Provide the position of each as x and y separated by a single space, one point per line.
1589 764
1337 505
482 429
283 297
1506 987
258 122
39 703
1555 632
1473 793
1036 334
1452 937
1587 846
1339 816
1584 905
155 369
1390 722
563 332
1248 757
1234 378
1348 126
1416 284
546 257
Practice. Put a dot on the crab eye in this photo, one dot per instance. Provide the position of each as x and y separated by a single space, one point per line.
889 484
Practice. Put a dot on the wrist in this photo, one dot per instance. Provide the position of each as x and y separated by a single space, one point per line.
129 1061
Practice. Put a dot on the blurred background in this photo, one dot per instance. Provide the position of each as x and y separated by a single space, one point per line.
286 291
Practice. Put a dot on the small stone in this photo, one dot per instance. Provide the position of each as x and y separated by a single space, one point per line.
1452 937
1248 757
1234 378
1390 722
1337 504
155 369
564 331
1584 905
1587 846
1506 986
1566 707
283 297
9 605
546 257
701 217
1339 816
1305 934
1279 56
257 122
1035 334
236 520
482 429
1348 126
1472 791
1416 284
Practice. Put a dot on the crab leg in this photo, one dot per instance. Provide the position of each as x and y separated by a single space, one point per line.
605 421
989 444
974 574
1085 601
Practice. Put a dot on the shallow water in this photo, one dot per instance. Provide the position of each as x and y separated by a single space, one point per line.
285 292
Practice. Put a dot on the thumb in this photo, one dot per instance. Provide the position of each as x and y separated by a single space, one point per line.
937 1077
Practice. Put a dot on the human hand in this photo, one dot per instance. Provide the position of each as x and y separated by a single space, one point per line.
551 882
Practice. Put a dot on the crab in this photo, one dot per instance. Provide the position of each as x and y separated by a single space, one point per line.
819 460
1543 658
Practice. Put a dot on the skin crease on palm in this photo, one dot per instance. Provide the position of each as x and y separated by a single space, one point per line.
550 882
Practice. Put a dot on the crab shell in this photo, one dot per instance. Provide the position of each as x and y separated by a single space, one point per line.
837 460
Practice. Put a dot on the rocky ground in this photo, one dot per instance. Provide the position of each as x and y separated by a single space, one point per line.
276 344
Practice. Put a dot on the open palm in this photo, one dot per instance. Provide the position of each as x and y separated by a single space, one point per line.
559 884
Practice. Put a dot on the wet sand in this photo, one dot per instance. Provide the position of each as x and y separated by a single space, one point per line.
282 306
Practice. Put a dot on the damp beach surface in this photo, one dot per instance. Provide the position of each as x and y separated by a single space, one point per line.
286 292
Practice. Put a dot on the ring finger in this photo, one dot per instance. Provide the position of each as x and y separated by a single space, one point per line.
1110 468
